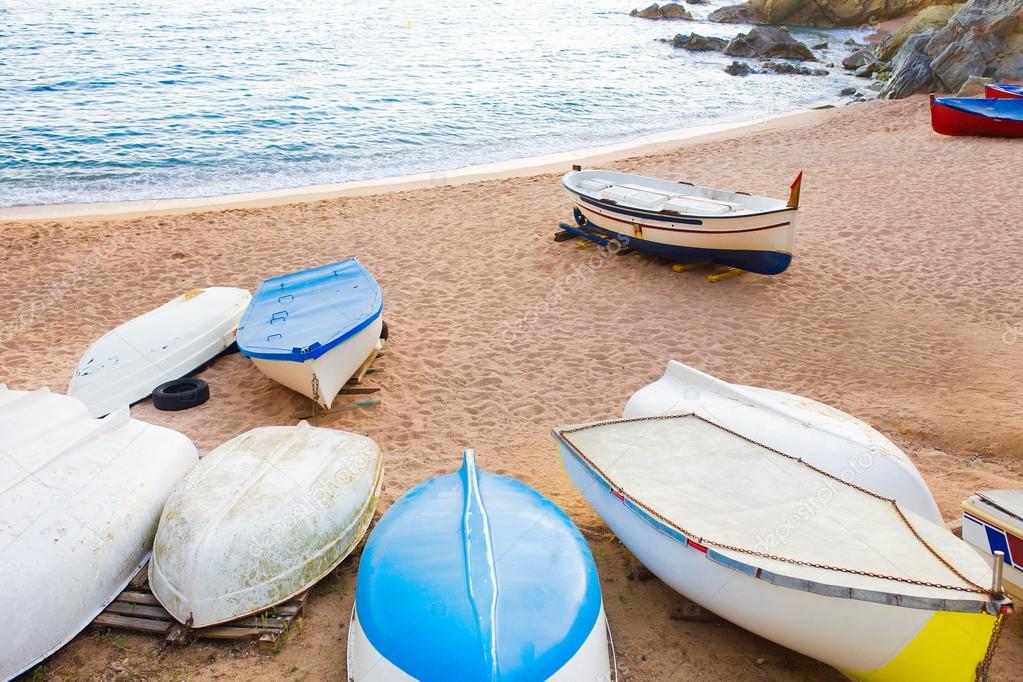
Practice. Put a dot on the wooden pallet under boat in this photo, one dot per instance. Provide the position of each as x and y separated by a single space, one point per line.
136 609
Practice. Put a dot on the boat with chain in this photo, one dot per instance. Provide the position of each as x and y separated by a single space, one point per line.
312 330
684 222
788 551
475 576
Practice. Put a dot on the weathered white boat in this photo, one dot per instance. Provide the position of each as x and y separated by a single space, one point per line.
474 576
687 223
786 550
312 330
79 502
993 522
820 435
261 518
167 343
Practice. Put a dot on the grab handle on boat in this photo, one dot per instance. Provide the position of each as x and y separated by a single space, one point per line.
996 577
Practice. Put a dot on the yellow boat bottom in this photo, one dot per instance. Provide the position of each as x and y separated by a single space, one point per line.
949 648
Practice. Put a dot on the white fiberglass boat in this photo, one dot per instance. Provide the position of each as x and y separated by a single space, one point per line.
787 551
821 435
262 518
167 343
993 522
79 502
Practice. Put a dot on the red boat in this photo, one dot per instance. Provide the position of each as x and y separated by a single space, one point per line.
1004 91
996 117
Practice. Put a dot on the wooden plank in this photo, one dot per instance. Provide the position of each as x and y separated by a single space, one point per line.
226 632
364 367
261 622
113 620
133 597
359 390
140 578
141 610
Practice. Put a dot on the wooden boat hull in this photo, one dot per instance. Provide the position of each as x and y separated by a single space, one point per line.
473 576
1003 90
989 528
79 527
759 240
167 343
856 451
854 636
947 119
262 518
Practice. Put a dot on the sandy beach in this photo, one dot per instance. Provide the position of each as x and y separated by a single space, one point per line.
901 307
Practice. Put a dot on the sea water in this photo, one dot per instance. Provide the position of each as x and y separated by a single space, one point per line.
119 100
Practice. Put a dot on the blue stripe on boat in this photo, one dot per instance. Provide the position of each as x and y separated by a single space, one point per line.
1003 108
761 262
475 576
302 315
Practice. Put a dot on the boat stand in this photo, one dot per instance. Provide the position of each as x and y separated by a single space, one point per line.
719 276
353 387
136 609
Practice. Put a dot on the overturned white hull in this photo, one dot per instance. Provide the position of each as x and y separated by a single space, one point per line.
79 503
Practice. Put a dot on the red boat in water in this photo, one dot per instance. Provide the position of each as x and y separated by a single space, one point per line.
997 117
1003 91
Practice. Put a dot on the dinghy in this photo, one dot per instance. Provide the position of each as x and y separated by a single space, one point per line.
79 502
993 522
262 518
687 223
312 330
126 364
787 551
1003 90
821 435
474 576
994 117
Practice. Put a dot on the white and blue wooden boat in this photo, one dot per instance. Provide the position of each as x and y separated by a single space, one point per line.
830 439
993 522
475 576
312 330
79 502
687 223
786 550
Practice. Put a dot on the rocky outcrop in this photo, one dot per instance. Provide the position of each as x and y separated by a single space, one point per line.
738 68
671 10
974 86
694 42
768 41
735 14
983 38
823 13
857 59
929 18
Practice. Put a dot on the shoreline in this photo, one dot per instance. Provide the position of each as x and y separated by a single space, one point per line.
499 170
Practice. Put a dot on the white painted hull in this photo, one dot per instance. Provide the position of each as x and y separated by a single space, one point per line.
332 369
856 452
855 636
167 343
79 503
262 518
591 661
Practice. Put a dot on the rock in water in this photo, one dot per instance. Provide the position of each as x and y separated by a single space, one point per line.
857 59
697 43
768 41
790 69
671 10
734 14
738 69
830 13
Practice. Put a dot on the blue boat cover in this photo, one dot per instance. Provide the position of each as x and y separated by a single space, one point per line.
475 576
1015 89
989 107
303 315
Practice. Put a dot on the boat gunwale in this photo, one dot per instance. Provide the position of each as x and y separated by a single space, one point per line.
683 218
668 528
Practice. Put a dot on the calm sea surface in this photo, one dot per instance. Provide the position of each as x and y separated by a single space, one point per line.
116 100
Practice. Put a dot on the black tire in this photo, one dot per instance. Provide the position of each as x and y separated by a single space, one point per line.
383 330
180 394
